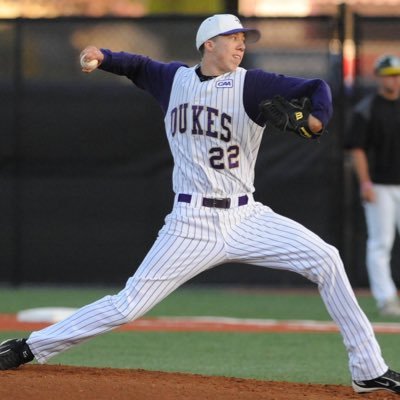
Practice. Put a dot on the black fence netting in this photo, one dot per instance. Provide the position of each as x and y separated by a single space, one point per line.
85 167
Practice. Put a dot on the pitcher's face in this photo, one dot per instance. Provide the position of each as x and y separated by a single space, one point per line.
227 51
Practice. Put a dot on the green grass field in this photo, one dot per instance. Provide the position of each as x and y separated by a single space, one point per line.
307 357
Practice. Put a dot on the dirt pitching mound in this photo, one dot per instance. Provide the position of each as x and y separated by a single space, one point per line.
53 382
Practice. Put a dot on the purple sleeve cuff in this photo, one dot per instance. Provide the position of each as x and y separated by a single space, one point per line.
106 63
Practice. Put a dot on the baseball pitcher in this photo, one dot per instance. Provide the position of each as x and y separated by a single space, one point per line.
215 115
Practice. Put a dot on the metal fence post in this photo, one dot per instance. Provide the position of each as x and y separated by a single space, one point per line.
16 276
346 36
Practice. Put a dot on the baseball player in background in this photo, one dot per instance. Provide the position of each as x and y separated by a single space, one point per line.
374 142
214 128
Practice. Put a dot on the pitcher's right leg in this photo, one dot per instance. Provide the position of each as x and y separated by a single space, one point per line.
171 262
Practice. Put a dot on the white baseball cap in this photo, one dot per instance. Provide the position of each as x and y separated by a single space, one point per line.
223 24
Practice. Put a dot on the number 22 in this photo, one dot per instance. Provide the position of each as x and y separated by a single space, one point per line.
217 156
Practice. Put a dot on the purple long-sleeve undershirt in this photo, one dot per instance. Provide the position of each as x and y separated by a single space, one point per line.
156 78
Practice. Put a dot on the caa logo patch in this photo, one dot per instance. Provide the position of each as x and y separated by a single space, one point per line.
226 83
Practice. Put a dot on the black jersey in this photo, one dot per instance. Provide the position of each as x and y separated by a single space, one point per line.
375 127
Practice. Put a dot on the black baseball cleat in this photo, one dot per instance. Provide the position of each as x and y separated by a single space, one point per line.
389 381
13 353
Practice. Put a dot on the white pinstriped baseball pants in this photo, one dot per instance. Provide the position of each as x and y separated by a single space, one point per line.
382 217
196 238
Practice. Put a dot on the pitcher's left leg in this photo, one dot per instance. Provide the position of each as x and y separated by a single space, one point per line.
268 239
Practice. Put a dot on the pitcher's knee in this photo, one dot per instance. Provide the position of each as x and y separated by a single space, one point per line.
327 263
134 301
333 253
128 307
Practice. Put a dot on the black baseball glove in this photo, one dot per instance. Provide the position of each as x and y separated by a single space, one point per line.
289 116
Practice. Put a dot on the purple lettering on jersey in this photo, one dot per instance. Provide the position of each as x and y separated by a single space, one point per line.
173 120
183 116
196 127
179 121
233 156
216 159
211 114
225 124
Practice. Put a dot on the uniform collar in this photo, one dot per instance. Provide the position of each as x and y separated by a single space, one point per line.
201 76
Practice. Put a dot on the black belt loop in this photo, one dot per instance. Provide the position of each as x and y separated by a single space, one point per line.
184 198
243 200
214 203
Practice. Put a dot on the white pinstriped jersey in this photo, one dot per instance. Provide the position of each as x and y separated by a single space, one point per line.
213 141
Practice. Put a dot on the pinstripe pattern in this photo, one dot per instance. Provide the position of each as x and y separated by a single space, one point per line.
196 238
259 236
192 170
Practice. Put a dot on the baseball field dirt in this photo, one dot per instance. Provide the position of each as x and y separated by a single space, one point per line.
54 382
58 382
